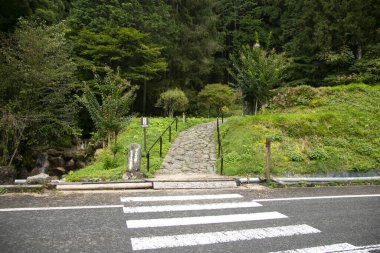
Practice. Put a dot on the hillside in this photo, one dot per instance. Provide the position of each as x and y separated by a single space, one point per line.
313 131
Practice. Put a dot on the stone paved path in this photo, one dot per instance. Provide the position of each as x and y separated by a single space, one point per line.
192 155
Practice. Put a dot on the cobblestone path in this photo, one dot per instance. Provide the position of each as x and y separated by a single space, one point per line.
191 155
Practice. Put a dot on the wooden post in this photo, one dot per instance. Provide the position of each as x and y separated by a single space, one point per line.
161 146
268 160
170 134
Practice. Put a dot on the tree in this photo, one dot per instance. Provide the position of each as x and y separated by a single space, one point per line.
173 101
216 96
36 103
191 62
50 11
138 34
116 95
256 70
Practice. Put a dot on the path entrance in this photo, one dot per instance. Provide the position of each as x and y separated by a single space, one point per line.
192 155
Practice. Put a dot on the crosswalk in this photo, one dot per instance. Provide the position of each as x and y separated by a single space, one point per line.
231 202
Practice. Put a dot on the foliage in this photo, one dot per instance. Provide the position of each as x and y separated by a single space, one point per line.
116 96
216 96
50 11
256 70
104 167
36 73
191 62
330 133
173 101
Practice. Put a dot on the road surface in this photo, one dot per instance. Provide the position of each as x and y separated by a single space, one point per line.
331 219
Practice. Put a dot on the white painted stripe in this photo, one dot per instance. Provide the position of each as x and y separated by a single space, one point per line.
57 208
183 221
180 197
322 249
336 248
169 208
157 242
319 197
363 249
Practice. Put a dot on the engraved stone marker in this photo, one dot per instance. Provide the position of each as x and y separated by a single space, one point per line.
133 160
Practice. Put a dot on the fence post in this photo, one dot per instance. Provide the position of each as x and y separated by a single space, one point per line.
176 124
170 133
218 132
221 165
147 162
268 159
161 146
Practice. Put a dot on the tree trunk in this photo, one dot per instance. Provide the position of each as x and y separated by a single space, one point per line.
17 145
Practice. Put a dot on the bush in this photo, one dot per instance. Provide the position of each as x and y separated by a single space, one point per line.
317 154
218 97
173 101
295 156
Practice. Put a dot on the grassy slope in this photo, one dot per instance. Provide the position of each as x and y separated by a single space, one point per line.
313 131
133 134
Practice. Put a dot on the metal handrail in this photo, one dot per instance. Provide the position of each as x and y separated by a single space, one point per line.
147 154
220 147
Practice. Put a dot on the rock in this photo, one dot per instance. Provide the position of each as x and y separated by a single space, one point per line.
41 178
53 152
59 171
7 174
56 161
70 164
133 160
80 164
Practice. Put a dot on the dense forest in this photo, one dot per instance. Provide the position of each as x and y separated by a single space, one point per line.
62 62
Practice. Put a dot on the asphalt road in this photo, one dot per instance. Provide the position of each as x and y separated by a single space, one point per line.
239 220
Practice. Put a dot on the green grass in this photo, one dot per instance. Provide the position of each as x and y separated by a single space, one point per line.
104 168
313 131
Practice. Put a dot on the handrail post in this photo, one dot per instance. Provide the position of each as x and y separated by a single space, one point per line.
170 133
221 166
218 131
161 146
147 162
176 124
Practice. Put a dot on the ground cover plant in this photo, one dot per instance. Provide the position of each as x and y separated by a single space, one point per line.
107 167
313 131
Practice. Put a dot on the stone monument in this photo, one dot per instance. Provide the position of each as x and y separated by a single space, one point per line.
133 161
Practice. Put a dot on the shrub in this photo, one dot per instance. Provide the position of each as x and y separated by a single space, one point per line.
317 154
216 96
173 101
295 156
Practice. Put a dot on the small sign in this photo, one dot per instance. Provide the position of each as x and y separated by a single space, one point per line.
144 122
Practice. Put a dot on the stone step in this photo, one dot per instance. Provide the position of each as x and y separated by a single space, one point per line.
194 184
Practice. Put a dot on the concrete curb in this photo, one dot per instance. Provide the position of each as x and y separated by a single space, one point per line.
109 186
209 183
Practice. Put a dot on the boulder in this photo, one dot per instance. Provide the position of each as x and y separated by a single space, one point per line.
56 161
41 178
70 164
58 171
7 174
80 164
